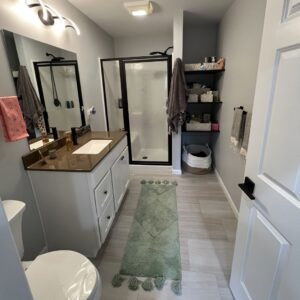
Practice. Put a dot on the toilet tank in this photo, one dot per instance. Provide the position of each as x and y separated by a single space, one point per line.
14 212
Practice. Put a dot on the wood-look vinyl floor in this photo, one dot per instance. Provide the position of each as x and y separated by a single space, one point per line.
207 229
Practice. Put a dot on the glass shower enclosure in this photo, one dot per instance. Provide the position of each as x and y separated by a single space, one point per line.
135 92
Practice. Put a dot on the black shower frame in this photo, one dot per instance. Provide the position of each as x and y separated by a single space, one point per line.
74 63
122 62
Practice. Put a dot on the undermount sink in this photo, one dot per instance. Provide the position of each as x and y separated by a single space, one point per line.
93 147
38 144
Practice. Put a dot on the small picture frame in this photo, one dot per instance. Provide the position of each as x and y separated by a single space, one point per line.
206 117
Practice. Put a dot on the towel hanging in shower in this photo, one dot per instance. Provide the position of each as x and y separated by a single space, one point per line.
177 101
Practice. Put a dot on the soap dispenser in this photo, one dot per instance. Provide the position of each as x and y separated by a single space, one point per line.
69 143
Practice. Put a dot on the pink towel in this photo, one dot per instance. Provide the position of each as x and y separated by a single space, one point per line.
11 118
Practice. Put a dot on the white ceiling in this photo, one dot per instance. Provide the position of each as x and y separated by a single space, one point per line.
112 16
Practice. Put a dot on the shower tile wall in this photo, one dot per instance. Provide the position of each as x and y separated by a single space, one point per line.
111 73
65 79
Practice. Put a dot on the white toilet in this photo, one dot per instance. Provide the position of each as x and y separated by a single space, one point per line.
58 275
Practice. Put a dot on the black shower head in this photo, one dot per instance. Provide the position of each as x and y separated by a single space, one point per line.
156 53
55 58
161 53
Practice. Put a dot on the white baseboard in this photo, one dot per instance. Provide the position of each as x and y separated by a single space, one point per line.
176 172
146 169
228 197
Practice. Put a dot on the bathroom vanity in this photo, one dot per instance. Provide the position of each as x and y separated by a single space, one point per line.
78 195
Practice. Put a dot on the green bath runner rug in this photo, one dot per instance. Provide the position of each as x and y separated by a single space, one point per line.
153 248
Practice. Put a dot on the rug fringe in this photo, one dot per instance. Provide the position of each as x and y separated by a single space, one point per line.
133 283
159 282
165 182
176 287
147 285
117 280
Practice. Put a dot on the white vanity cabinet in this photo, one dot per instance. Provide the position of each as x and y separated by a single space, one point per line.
120 177
78 208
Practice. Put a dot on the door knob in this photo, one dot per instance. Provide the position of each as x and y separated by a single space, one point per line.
248 187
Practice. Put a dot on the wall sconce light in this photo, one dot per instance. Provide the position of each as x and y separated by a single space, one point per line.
49 14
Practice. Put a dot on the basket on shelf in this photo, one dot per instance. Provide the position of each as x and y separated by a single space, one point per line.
206 66
194 125
207 97
193 98
192 67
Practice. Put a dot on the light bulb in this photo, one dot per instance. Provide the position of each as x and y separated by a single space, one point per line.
139 13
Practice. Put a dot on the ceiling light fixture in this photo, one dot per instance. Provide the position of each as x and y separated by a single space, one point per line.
49 14
139 8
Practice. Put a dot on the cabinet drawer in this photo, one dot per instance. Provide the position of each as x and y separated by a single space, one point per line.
107 218
103 192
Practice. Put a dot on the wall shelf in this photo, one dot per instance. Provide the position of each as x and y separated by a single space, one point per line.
208 132
205 103
210 79
204 72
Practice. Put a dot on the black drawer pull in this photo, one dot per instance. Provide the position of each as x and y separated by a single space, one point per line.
105 192
108 217
122 158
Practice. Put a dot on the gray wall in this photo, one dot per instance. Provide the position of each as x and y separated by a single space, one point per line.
239 42
92 44
142 45
199 39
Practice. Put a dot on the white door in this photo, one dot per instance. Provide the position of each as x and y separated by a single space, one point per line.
266 262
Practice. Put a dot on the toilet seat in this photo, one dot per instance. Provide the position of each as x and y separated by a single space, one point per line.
63 275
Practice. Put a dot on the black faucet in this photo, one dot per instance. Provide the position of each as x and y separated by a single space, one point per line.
54 132
74 135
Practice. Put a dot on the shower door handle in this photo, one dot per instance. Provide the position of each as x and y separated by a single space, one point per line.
120 103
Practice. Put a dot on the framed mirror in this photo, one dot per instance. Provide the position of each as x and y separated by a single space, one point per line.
48 87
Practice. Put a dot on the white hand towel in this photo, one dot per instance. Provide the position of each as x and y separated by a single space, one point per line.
236 131
244 148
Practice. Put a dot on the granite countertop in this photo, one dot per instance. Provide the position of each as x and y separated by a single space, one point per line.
68 162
